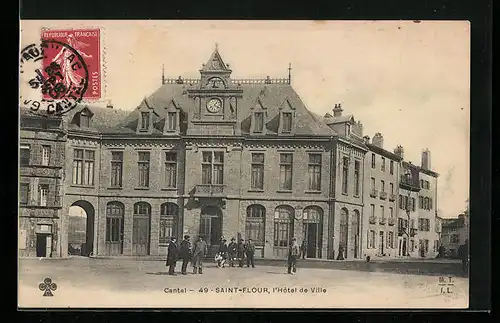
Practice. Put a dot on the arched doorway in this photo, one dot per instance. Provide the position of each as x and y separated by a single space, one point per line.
284 216
211 224
81 229
344 231
114 228
355 234
313 229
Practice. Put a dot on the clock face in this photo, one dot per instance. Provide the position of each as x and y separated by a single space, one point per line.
214 105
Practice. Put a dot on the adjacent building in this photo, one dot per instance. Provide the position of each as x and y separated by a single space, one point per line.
212 157
455 232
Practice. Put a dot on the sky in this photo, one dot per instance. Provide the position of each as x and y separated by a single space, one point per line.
409 81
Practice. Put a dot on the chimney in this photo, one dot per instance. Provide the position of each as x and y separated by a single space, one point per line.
109 105
399 151
378 140
337 110
366 139
426 159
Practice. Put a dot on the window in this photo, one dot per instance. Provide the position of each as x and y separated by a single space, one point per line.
345 174
172 121
371 239
430 204
212 167
287 122
144 120
401 202
454 238
254 224
283 225
382 167
435 247
356 178
426 245
372 210
421 202
83 167
259 122
24 155
84 120
45 155
114 222
382 186
143 165
257 181
390 239
373 160
391 213
413 204
426 203
412 224
43 192
372 183
116 168
170 169
391 167
286 163
407 204
348 129
423 224
169 213
391 185
315 172
24 194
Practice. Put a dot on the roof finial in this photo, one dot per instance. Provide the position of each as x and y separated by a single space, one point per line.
162 74
289 73
216 47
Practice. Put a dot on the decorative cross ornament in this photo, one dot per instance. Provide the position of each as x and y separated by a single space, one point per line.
47 287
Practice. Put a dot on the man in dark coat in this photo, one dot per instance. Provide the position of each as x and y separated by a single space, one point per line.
241 252
303 249
232 251
185 253
250 252
293 254
172 255
463 252
200 251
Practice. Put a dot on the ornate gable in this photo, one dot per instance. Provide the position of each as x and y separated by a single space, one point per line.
286 118
147 117
172 118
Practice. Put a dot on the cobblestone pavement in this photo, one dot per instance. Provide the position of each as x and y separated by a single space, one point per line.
86 282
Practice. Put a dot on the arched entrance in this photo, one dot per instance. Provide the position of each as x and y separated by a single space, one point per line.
313 229
81 229
354 251
344 231
211 224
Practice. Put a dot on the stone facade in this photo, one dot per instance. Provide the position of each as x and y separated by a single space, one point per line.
213 157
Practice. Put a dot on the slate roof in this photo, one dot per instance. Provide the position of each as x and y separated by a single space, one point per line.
104 120
344 118
270 95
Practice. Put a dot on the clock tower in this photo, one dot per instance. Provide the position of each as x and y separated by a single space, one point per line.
215 100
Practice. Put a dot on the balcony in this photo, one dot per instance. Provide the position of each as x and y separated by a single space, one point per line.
373 193
383 195
381 220
392 197
373 219
413 232
209 190
391 221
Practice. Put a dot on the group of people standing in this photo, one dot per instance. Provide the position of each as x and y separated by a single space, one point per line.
186 252
241 251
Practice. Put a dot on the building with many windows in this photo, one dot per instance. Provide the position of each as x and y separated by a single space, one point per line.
213 156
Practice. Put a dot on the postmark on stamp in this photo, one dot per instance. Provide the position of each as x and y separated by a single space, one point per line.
87 43
56 76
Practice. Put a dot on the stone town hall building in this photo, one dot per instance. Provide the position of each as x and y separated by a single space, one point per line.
210 157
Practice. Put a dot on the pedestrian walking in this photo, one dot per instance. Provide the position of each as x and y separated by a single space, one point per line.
241 253
303 249
293 254
185 253
172 255
199 252
232 251
340 256
250 252
463 252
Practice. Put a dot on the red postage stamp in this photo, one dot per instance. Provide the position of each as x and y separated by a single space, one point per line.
85 42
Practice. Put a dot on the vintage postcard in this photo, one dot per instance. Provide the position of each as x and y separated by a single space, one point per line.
244 164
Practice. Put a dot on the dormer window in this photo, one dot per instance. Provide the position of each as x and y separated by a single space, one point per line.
259 122
172 121
348 129
84 120
144 120
287 122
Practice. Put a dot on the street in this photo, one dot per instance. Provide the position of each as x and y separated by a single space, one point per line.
88 282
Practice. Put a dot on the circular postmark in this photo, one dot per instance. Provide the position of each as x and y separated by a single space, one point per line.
53 77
